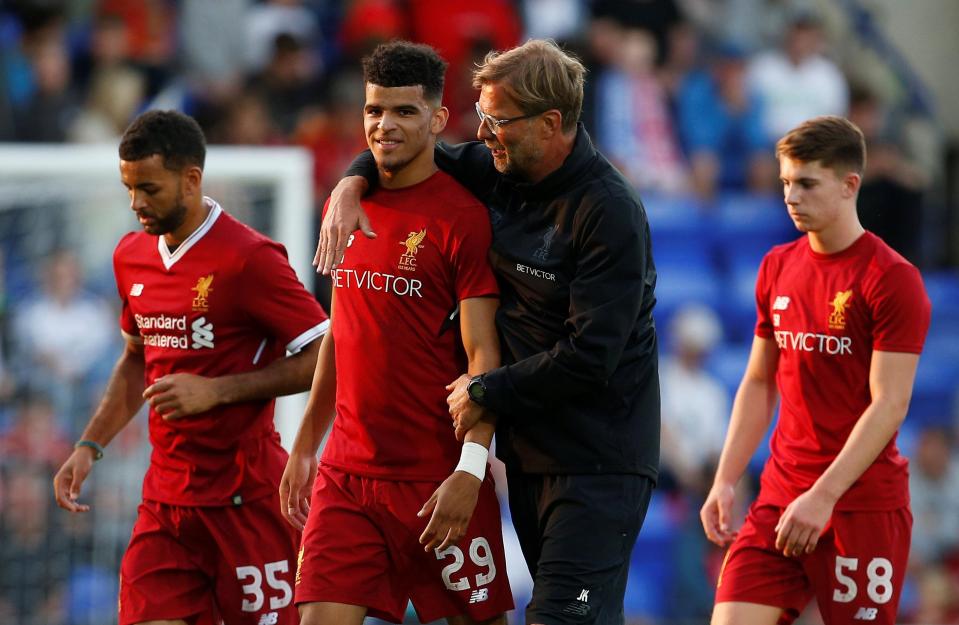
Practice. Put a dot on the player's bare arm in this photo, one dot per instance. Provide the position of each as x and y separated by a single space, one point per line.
751 415
451 505
121 401
343 217
479 316
890 383
297 481
179 395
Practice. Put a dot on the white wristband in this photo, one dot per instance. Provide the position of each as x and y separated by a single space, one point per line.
473 460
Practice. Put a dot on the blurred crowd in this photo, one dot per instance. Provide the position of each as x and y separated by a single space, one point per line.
687 97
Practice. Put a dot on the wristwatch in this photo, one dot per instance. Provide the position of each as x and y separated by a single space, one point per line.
476 389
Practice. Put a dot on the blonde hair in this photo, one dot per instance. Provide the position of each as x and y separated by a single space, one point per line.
539 76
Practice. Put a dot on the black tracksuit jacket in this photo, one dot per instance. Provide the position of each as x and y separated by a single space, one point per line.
578 391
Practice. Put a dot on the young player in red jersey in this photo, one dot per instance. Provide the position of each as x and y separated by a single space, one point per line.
210 308
841 322
411 310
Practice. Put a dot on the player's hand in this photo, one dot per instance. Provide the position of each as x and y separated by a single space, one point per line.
295 488
464 411
716 514
803 522
452 506
344 215
179 395
70 477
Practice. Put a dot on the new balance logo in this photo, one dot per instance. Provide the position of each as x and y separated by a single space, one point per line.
270 618
479 595
136 289
866 614
781 303
583 596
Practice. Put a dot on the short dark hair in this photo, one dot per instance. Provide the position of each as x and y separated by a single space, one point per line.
405 64
835 142
176 137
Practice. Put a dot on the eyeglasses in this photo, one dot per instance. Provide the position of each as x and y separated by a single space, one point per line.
493 124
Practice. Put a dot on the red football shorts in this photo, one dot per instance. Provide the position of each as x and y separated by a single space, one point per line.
855 572
201 564
361 547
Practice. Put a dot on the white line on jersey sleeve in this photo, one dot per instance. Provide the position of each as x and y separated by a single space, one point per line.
259 351
308 337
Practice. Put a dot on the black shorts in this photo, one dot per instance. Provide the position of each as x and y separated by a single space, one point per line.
577 533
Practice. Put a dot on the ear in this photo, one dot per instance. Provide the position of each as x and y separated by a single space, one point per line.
850 184
192 180
552 123
438 121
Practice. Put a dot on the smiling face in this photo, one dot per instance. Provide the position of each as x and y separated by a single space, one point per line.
159 196
401 129
815 196
515 147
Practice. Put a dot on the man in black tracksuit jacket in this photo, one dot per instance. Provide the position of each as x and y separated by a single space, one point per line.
577 397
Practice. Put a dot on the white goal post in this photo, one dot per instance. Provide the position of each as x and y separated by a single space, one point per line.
88 175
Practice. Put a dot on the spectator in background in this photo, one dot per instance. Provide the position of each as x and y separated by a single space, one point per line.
332 134
33 556
289 84
633 123
682 58
47 115
246 121
265 21
151 36
938 600
891 198
695 404
797 82
462 31
114 88
721 126
695 407
34 437
368 23
934 488
61 336
656 17
213 48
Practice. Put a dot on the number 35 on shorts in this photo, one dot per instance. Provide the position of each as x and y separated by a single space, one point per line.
878 573
280 592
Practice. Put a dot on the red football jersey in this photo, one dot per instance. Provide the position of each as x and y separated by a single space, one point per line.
226 301
827 313
397 342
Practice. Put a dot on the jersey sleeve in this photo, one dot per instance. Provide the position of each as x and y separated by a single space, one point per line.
275 298
473 276
128 324
764 324
901 311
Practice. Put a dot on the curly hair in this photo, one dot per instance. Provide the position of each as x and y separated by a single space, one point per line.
405 64
176 137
